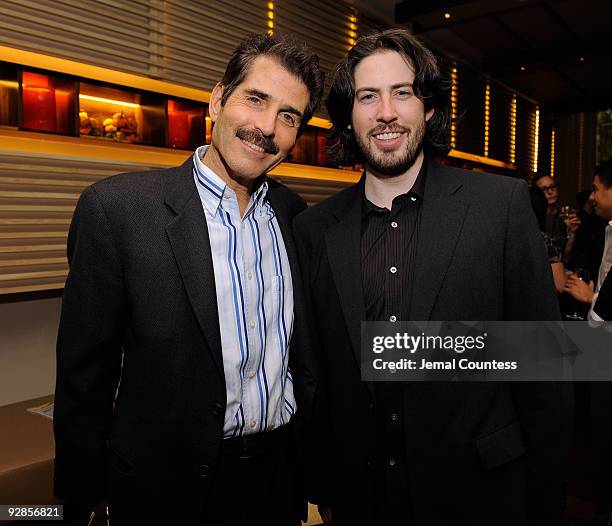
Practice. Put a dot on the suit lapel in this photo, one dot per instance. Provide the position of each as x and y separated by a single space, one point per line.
343 242
284 221
188 235
441 222
300 362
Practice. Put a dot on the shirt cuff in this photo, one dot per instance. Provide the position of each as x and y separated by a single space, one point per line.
594 319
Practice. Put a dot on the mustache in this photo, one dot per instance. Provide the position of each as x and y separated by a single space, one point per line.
386 128
257 138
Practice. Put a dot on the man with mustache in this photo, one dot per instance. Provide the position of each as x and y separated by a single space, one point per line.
417 240
181 375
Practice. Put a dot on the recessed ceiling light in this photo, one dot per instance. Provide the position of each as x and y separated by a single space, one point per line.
447 15
522 68
581 59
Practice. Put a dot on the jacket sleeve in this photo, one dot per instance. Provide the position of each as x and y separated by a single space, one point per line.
603 303
544 408
89 354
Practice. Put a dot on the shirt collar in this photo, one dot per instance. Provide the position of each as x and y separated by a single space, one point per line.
212 188
417 190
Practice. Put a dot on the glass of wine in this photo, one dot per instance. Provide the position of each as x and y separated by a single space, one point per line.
565 213
583 275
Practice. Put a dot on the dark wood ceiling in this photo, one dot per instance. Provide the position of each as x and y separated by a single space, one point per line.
558 52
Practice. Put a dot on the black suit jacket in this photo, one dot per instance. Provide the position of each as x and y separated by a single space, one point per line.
140 312
603 304
478 453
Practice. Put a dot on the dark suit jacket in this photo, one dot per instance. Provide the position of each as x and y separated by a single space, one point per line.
140 309
603 305
477 453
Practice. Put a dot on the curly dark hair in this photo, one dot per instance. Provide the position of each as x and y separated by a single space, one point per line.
294 56
430 84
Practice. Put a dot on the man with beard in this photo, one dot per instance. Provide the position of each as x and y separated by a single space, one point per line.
416 240
180 362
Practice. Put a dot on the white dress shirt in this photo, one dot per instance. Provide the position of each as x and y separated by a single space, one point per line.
604 268
255 304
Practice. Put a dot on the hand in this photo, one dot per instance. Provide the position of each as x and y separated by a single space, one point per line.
579 289
572 224
326 515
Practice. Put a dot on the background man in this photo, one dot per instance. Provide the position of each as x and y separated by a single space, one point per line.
601 196
184 294
599 298
415 240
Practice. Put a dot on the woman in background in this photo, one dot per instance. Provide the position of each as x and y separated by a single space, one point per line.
553 250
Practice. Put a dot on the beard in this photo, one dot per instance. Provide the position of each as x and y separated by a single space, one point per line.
394 162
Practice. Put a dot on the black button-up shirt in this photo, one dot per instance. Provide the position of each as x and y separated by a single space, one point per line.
388 252
388 249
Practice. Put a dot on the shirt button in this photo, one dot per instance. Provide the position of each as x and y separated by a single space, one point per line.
252 375
393 270
394 417
392 318
243 226
413 198
250 275
252 324
392 462
253 424
393 224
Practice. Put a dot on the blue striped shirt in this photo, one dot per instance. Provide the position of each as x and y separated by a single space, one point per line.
255 303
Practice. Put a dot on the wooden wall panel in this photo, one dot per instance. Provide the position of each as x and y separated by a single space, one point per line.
37 200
